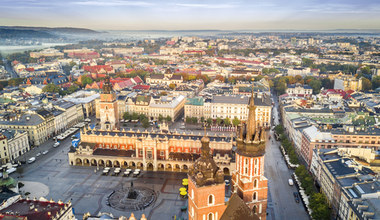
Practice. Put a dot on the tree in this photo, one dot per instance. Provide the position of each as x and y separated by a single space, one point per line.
235 121
135 116
145 123
258 78
86 80
220 78
227 122
168 118
319 206
327 83
218 121
307 62
299 79
315 85
202 119
52 88
291 79
232 80
209 121
160 118
366 84
376 82
366 70
280 85
72 89
142 117
279 129
127 116
15 81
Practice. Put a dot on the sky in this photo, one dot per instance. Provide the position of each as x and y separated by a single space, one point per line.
193 14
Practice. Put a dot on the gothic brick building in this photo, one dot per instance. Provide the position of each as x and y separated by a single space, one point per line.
249 185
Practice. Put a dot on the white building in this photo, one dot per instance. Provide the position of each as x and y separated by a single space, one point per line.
298 89
18 143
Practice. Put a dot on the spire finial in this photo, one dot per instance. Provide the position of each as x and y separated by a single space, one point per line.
204 128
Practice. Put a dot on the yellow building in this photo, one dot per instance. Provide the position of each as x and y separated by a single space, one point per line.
39 130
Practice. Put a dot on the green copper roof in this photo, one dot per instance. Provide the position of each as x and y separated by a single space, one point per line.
195 101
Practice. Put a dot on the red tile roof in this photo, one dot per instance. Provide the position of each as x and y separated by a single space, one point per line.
33 210
97 68
142 87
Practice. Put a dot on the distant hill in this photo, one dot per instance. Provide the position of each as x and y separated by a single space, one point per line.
40 32
13 33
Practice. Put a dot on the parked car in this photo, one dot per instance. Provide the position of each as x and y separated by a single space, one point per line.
296 197
45 152
11 170
56 144
39 154
31 160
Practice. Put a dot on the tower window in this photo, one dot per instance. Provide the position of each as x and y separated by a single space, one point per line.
210 216
255 183
211 200
254 197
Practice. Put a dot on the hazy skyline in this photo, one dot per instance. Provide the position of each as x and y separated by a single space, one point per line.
190 15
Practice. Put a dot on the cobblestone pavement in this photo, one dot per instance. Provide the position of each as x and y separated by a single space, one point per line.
88 190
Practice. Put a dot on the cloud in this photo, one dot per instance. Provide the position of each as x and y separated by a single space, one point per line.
341 8
113 3
211 6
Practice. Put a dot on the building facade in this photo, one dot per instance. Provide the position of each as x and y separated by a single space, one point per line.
17 143
39 130
299 90
231 107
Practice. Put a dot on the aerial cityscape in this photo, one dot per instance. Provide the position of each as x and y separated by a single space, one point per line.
191 110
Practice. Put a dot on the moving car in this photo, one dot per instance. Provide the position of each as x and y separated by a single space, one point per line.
290 182
56 144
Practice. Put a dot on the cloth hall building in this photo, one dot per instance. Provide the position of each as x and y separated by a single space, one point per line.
114 147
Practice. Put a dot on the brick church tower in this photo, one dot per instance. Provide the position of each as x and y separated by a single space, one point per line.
248 179
109 114
206 187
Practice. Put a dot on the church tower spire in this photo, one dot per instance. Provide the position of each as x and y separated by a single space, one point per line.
248 179
251 123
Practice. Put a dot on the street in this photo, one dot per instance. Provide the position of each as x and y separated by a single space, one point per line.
9 69
281 202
